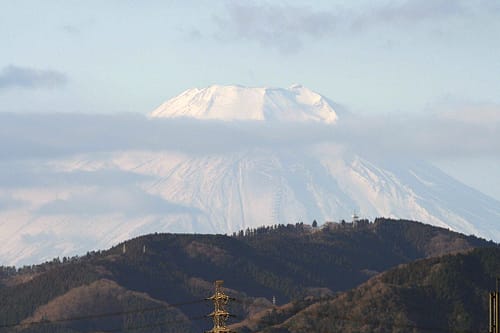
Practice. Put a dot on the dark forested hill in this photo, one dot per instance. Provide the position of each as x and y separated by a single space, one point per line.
443 294
157 283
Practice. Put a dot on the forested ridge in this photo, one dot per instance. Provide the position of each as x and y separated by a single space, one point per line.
442 294
294 263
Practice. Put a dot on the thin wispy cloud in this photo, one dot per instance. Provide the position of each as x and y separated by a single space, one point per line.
70 29
412 11
129 201
24 174
77 28
287 28
8 202
30 78
281 27
492 6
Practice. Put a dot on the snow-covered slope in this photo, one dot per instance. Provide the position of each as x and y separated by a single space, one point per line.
231 103
95 200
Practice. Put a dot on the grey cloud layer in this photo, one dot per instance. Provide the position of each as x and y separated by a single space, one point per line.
475 131
29 141
430 136
30 78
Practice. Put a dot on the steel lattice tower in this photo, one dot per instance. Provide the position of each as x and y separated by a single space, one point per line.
495 310
220 314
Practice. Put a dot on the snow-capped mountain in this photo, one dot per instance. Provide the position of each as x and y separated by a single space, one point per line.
230 103
94 200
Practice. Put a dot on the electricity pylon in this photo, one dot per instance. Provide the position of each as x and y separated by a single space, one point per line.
220 314
495 311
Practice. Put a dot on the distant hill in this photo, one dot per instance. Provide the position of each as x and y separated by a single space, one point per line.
443 294
157 283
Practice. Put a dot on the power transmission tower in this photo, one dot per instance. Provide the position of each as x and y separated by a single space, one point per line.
220 314
494 311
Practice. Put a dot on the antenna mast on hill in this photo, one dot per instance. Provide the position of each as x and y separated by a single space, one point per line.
355 217
220 314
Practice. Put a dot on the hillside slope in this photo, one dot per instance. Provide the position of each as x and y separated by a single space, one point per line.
176 272
443 294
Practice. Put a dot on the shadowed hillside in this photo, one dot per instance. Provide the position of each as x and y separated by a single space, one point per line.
169 275
444 294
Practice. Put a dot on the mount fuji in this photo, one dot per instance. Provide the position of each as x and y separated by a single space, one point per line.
230 103
174 191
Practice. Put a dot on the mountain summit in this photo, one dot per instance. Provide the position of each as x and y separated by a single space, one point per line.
233 103
116 195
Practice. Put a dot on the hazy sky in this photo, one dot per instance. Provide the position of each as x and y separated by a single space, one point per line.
380 56
410 58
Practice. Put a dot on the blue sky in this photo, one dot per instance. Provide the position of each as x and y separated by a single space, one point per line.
399 58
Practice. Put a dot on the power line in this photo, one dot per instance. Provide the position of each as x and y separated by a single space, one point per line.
101 315
269 323
164 323
423 328
187 319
